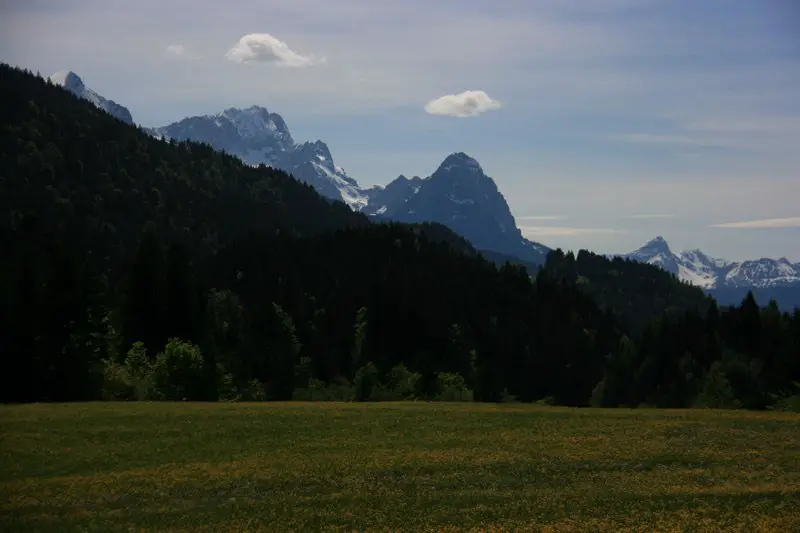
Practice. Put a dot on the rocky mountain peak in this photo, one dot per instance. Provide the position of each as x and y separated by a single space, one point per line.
460 196
658 244
69 80
459 163
74 84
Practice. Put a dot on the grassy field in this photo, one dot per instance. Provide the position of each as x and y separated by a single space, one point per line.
409 466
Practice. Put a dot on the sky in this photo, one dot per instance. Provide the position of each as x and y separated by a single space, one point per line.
604 122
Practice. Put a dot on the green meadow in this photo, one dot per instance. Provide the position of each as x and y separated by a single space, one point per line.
395 466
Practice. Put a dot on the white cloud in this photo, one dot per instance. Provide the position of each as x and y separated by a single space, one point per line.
176 50
179 51
766 223
466 104
264 48
563 231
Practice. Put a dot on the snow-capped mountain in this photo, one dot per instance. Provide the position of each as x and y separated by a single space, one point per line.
708 272
763 273
254 134
74 84
657 252
257 136
728 281
462 197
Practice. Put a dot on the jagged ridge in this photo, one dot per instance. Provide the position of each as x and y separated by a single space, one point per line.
74 84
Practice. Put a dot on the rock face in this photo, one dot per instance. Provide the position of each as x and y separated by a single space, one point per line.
462 197
257 136
728 280
254 134
74 84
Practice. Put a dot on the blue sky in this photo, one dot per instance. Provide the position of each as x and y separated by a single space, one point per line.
605 122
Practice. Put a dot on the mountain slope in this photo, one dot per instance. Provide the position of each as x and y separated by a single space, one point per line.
767 278
74 84
461 196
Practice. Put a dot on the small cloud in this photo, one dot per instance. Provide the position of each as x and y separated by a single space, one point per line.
176 50
563 231
766 223
264 48
466 104
179 51
647 216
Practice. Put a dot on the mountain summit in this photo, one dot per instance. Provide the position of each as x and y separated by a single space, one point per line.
254 134
461 162
462 197
657 252
74 84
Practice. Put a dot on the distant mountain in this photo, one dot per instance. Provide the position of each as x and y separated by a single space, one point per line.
257 136
462 197
74 84
458 195
726 280
254 134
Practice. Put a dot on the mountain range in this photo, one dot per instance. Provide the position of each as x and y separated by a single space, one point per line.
727 280
458 195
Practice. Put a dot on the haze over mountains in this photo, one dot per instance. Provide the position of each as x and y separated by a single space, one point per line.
458 194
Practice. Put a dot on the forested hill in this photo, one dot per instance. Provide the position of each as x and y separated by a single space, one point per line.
77 168
135 268
636 292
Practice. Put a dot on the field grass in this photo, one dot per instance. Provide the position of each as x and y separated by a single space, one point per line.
399 466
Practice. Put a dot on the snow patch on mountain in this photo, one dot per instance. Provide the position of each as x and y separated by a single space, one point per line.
352 194
763 273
